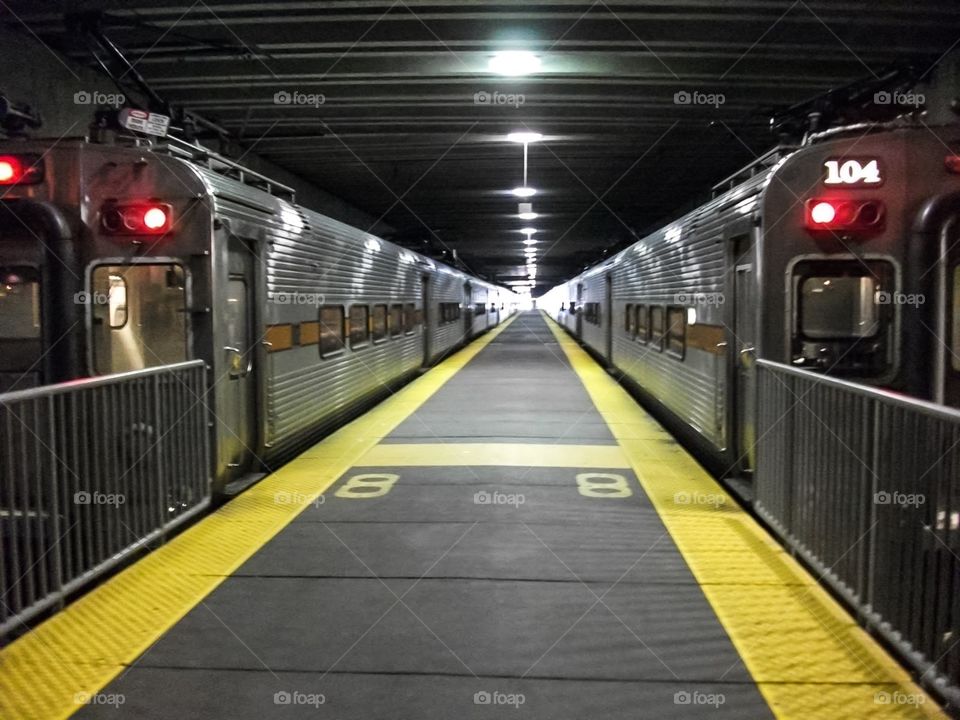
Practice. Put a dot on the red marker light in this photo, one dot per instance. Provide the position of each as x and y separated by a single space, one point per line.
154 218
841 215
823 212
136 218
20 169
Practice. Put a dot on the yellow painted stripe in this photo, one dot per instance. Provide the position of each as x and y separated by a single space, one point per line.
47 673
807 655
518 454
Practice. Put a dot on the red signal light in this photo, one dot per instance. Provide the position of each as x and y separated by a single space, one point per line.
136 218
843 215
20 169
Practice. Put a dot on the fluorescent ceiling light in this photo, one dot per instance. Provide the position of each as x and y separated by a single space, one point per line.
528 216
528 230
524 137
514 63
529 241
524 191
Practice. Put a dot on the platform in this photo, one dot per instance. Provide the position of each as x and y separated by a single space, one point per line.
510 535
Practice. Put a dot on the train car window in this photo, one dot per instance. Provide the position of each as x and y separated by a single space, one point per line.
628 318
410 318
676 331
19 304
573 308
656 327
838 307
480 309
331 330
359 325
396 320
139 316
378 326
643 323
955 341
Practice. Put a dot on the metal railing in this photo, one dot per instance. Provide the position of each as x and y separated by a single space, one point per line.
92 471
864 484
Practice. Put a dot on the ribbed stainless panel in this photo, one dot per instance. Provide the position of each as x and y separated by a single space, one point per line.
447 286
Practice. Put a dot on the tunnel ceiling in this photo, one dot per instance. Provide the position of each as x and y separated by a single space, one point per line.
412 122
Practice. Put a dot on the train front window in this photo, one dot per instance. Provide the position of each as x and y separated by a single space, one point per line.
19 304
139 316
839 307
844 315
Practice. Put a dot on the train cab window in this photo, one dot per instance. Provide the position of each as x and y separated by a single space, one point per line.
396 320
643 323
378 325
843 316
676 331
656 327
628 318
359 325
409 318
838 307
573 308
139 316
331 330
19 304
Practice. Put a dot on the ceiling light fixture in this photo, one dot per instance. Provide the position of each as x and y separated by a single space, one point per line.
524 192
524 137
528 230
514 63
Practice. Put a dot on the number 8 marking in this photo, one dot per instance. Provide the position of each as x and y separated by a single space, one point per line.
367 486
603 485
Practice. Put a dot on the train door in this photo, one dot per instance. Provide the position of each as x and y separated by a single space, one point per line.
237 406
951 348
467 310
428 319
578 317
744 330
606 316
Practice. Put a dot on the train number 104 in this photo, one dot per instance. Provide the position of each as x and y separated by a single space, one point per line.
852 172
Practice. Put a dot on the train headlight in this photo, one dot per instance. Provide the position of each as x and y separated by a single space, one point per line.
843 215
136 218
21 169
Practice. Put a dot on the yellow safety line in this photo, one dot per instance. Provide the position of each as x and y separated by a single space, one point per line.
808 657
477 454
52 671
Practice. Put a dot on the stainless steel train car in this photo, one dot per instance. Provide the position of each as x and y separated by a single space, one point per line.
841 256
117 257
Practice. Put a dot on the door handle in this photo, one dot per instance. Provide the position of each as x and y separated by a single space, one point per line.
748 355
237 369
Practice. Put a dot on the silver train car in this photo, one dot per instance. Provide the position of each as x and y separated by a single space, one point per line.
117 257
841 256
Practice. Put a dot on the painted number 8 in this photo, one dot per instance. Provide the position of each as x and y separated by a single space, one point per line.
603 485
367 486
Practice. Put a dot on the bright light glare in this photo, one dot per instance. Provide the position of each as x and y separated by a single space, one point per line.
524 191
154 218
528 230
7 171
524 137
823 212
529 241
514 63
528 216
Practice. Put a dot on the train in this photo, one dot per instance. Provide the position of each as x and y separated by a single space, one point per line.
839 255
134 253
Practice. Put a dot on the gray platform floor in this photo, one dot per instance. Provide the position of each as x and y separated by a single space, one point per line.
423 603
